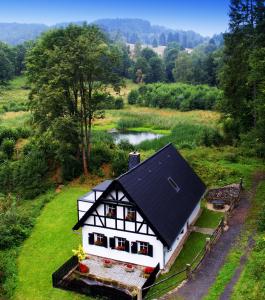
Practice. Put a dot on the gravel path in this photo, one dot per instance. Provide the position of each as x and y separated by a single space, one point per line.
198 287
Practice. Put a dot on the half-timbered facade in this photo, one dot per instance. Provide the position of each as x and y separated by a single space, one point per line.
142 216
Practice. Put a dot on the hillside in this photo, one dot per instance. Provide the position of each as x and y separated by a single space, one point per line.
127 30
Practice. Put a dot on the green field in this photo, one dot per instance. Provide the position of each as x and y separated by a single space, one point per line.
48 247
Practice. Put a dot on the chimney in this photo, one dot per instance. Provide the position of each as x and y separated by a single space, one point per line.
134 159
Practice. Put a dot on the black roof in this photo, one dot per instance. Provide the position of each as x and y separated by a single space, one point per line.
165 189
102 186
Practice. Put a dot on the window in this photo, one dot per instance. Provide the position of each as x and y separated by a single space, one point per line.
99 239
173 184
143 248
131 214
112 210
120 244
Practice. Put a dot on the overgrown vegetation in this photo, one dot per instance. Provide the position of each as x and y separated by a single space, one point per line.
176 96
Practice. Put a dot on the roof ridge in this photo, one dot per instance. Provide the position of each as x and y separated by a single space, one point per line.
141 163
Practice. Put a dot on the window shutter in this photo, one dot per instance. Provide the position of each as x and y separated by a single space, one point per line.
91 238
127 246
134 247
105 241
150 250
112 243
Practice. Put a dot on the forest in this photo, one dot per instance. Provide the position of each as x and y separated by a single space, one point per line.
61 93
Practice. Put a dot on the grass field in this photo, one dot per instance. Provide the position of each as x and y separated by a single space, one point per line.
48 247
209 219
16 91
191 248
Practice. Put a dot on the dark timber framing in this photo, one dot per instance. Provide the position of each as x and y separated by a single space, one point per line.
104 199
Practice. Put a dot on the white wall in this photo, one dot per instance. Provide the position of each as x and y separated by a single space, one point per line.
195 213
134 258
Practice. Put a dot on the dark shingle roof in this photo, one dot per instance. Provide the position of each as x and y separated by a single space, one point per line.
165 189
102 186
166 205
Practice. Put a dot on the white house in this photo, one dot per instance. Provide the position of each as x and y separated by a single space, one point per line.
143 216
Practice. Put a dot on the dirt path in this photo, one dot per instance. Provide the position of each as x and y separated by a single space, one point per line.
198 287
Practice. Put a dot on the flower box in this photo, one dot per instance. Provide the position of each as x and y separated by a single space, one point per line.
129 268
107 263
143 251
98 243
120 248
83 268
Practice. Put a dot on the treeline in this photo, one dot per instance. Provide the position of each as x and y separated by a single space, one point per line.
180 96
12 61
200 66
243 75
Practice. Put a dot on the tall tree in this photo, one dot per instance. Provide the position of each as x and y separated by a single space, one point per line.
67 69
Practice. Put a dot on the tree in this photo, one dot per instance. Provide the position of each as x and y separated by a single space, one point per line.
155 43
183 68
162 39
170 55
67 68
156 70
7 59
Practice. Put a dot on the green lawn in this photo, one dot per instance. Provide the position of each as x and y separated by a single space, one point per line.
191 248
209 219
48 247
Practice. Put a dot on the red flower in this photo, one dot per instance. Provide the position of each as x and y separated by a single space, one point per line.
129 266
148 270
83 268
106 261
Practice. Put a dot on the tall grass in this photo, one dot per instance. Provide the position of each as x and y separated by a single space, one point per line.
187 136
161 119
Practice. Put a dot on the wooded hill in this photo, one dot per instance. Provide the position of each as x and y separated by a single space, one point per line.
128 30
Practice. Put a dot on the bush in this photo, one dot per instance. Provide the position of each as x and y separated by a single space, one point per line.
14 228
177 96
119 163
133 97
8 147
119 103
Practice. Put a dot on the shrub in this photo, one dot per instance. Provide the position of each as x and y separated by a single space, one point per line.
125 145
119 163
133 97
8 147
177 96
119 103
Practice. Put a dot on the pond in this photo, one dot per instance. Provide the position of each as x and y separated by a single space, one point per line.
133 137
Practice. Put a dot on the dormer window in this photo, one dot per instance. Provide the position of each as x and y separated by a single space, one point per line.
131 214
112 211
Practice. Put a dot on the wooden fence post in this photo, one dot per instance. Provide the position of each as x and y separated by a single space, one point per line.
222 225
188 271
139 294
208 244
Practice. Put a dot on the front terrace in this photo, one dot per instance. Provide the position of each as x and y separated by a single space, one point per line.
98 276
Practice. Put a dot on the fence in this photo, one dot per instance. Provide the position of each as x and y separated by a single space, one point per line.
187 272
58 275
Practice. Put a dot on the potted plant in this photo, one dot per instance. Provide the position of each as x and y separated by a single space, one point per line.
81 255
107 263
129 268
148 271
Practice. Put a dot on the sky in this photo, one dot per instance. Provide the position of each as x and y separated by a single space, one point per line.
203 16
